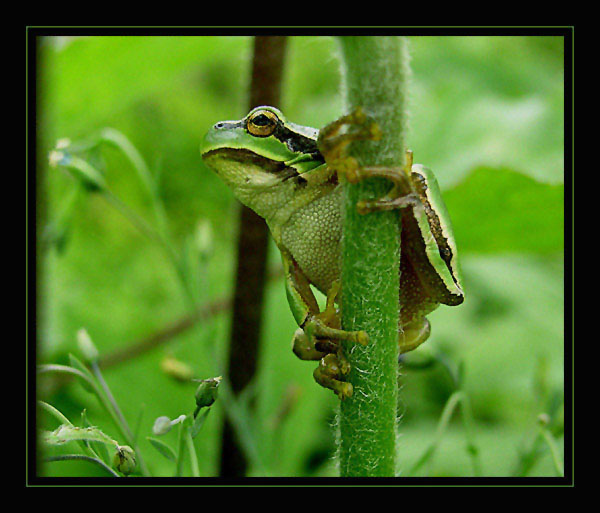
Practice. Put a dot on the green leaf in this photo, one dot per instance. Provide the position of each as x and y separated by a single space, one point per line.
64 434
79 365
86 174
499 210
54 412
163 448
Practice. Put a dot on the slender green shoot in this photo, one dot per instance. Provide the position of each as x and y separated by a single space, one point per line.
554 451
192 452
102 398
74 457
94 181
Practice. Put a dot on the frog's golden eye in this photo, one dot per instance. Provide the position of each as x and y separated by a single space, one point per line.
262 123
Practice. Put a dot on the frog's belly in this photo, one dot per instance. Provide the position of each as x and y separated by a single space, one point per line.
312 235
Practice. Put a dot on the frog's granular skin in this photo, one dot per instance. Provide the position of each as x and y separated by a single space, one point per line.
313 235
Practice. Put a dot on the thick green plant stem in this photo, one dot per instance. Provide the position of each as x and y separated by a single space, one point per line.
375 72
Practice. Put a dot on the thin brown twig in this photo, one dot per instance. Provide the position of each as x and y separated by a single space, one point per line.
52 383
167 333
265 89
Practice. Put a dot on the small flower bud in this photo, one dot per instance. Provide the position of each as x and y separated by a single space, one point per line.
162 425
124 459
86 346
543 419
207 392
204 238
56 157
177 369
63 143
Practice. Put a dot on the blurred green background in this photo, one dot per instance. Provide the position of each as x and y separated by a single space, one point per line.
486 113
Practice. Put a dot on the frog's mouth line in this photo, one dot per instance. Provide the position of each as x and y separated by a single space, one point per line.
244 156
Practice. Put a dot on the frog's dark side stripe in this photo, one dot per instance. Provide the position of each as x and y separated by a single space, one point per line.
437 229
294 140
434 222
424 274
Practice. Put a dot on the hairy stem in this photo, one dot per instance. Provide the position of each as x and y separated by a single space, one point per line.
375 70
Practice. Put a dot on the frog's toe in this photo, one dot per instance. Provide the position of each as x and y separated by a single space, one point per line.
345 390
328 375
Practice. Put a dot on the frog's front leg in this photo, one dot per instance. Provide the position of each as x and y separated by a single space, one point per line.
333 365
334 147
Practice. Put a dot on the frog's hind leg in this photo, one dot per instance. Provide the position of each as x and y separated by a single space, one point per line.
413 335
327 324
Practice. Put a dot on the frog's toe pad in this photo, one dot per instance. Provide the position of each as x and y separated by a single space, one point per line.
344 391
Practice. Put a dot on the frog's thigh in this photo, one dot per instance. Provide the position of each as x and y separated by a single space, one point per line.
414 335
297 288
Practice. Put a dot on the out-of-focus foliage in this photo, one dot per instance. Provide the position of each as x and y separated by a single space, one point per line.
486 115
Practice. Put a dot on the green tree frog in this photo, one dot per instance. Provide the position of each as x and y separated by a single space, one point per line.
289 175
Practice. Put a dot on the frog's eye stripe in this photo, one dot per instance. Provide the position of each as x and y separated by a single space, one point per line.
298 142
262 123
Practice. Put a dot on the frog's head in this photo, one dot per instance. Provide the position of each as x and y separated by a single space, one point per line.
261 150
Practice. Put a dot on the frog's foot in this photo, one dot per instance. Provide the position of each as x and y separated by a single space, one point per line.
388 202
327 324
333 145
414 334
401 195
319 339
333 365
304 348
329 373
